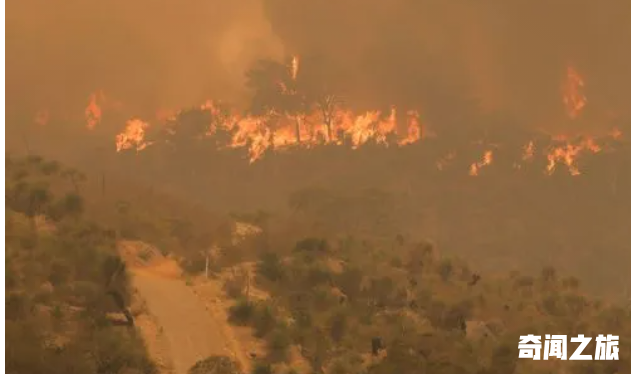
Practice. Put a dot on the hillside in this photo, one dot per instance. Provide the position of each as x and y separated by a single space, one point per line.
328 300
319 291
67 292
513 214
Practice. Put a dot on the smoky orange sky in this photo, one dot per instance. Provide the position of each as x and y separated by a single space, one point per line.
142 53
451 58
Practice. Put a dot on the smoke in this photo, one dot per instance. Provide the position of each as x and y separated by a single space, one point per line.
457 58
460 62
141 53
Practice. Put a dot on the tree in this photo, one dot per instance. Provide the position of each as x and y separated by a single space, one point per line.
278 344
71 205
319 81
338 324
349 282
75 177
445 269
271 267
275 91
38 197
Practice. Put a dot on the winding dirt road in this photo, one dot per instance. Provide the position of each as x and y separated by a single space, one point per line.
189 330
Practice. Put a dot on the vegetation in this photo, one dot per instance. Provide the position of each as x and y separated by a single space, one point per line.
348 310
343 302
65 285
215 365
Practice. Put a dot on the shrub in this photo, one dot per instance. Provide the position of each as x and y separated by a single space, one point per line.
312 245
271 267
241 313
349 282
263 320
260 368
235 285
278 344
445 269
338 325
215 365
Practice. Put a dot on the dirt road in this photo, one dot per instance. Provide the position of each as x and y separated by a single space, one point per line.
188 328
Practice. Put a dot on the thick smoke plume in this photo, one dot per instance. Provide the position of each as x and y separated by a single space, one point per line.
147 55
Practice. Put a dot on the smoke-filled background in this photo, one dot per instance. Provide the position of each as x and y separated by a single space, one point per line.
447 57
471 69
145 55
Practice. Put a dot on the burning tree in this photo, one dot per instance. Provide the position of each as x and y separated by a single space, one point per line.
293 91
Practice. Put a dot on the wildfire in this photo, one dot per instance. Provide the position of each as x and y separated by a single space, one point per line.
324 121
278 132
487 159
94 112
573 97
133 137
568 153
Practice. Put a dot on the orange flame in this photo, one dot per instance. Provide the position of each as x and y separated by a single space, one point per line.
295 65
133 137
414 129
487 159
568 153
573 97
281 131
94 112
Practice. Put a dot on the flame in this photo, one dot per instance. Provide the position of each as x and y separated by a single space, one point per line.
295 65
443 162
324 121
615 133
94 112
133 137
278 132
573 97
529 151
567 154
414 129
487 159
